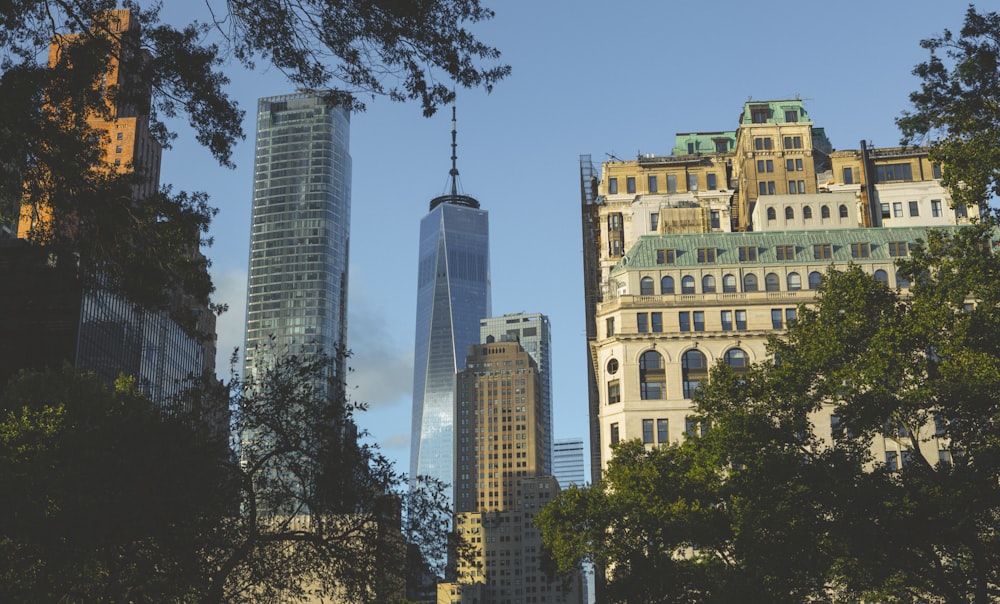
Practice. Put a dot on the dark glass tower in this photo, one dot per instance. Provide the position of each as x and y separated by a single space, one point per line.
453 294
300 233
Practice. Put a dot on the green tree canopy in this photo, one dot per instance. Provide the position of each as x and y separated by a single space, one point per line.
783 499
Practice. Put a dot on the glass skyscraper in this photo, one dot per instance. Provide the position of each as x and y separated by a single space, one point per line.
300 233
453 294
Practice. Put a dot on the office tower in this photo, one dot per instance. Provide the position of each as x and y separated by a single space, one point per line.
567 462
453 294
535 336
300 231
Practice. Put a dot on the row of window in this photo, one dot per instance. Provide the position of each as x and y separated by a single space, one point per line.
772 283
914 209
807 212
766 143
653 375
821 251
694 320
653 183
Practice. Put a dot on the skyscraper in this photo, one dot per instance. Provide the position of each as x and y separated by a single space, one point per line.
567 462
532 331
453 294
297 286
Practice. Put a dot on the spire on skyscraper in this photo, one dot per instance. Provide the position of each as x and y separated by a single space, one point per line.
454 197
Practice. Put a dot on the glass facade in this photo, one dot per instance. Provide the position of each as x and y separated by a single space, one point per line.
297 285
453 295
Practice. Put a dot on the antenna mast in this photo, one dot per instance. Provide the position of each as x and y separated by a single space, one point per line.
454 153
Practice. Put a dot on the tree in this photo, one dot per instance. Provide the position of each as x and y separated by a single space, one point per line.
956 112
103 499
783 499
51 153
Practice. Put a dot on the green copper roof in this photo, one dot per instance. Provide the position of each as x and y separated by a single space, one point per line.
727 246
778 110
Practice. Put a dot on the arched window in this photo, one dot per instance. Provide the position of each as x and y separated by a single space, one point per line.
737 360
694 370
901 281
843 211
882 277
728 284
771 214
789 214
687 284
814 279
652 376
667 285
646 286
794 282
708 284
807 213
824 212
771 282
749 282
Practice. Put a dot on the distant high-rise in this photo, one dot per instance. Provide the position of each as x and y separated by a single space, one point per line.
532 331
567 462
300 233
453 294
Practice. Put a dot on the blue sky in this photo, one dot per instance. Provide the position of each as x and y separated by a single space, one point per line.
588 78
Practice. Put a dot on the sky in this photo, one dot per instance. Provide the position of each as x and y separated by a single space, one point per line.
589 77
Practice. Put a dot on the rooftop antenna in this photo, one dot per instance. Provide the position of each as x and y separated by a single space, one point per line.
454 153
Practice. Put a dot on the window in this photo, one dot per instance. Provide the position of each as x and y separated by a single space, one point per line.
892 461
763 143
794 165
771 282
646 286
785 252
656 321
936 170
901 281
710 178
692 182
789 213
691 148
612 186
118 148
651 183
684 320
760 114
776 318
791 315
766 187
612 366
737 360
893 172
807 213
793 142
749 282
794 282
741 320
897 209
961 212
721 145
667 285
843 211
848 176
666 256
652 377
699 320
770 214
728 284
860 250
748 253
914 208
801 184
609 326
694 370
118 161
706 254
119 136
726 317
814 280
822 251
944 457
642 322
884 207
936 208
765 165
836 426
824 212
671 183
662 431
791 115
614 434
647 432
614 392
897 248
654 222
687 284
630 184
714 216
882 277
708 284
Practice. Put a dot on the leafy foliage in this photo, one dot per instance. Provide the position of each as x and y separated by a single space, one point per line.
771 505
956 112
